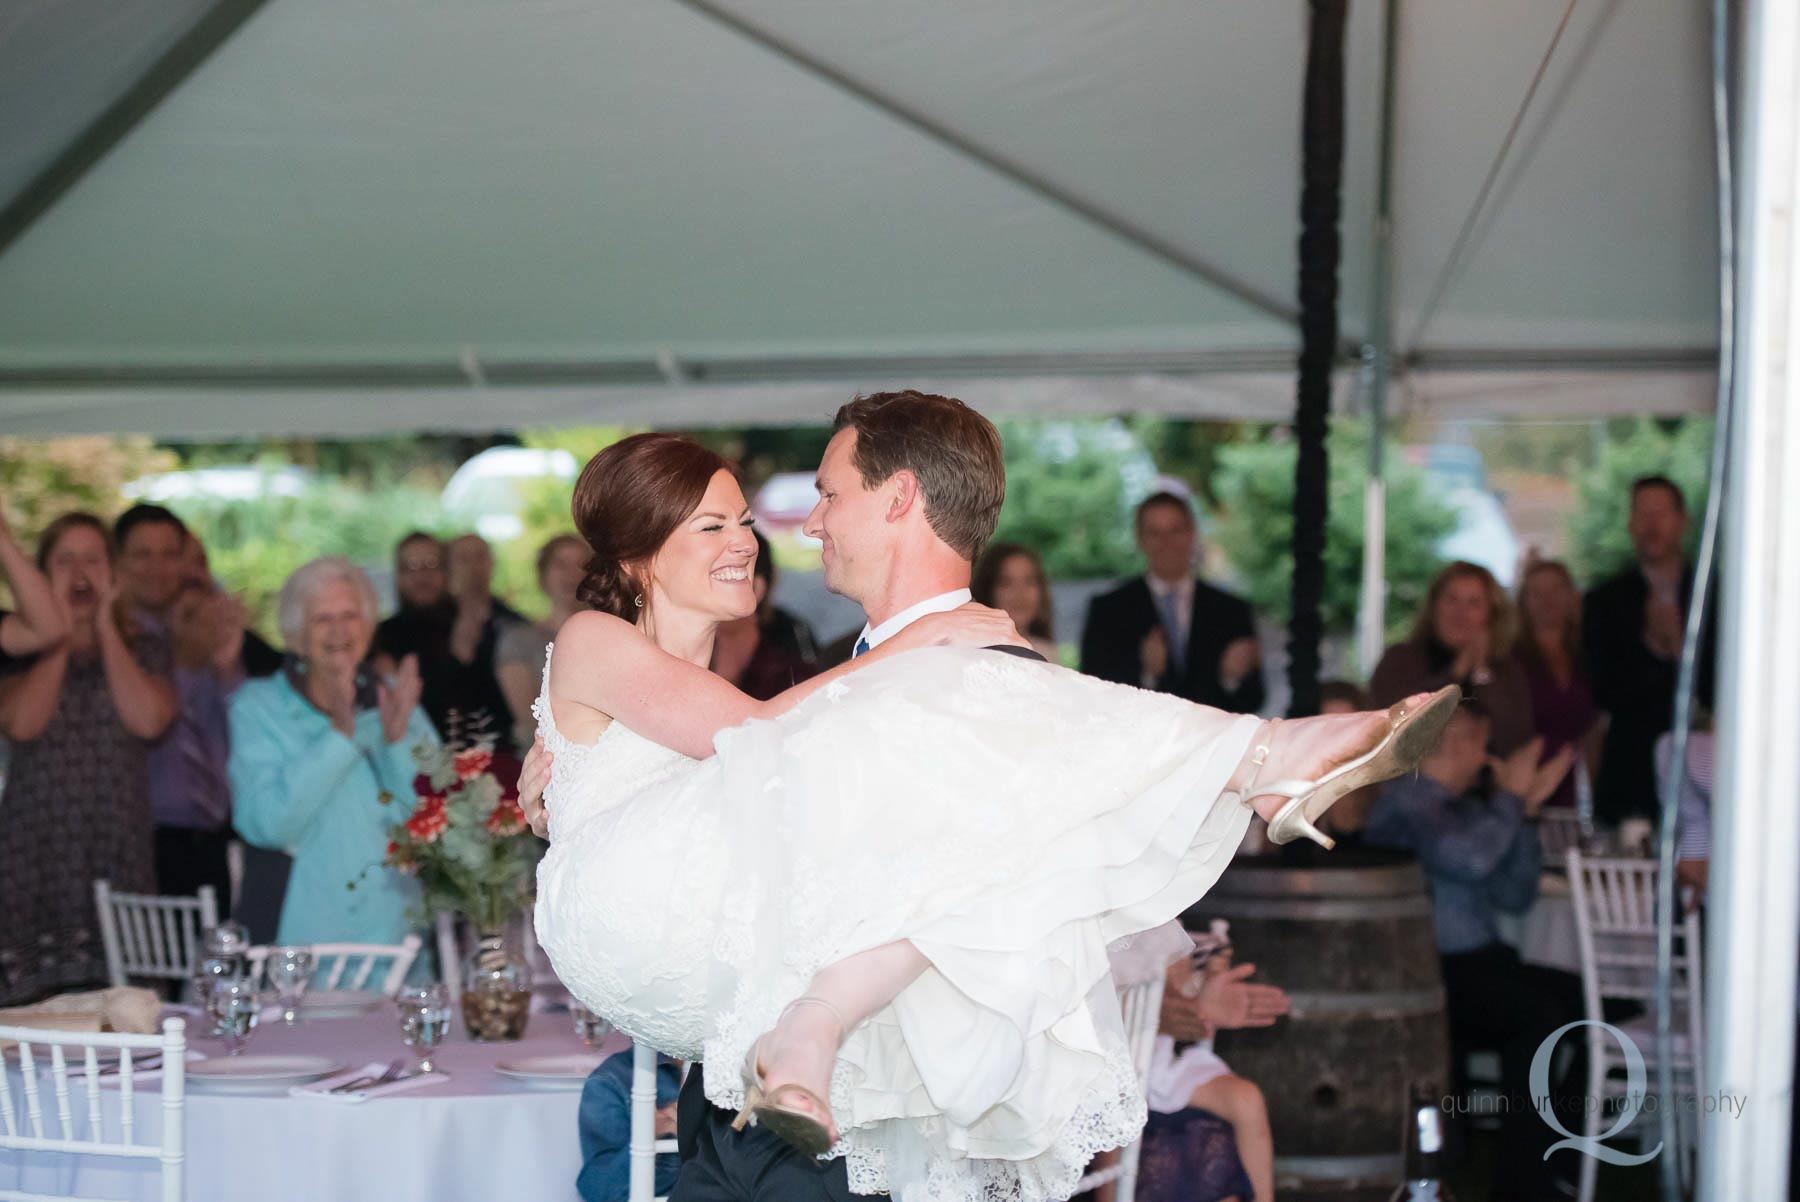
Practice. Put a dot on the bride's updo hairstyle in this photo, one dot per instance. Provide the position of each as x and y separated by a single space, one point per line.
629 499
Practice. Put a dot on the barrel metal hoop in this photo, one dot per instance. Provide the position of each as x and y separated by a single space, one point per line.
1405 1003
1387 880
1383 1169
1319 909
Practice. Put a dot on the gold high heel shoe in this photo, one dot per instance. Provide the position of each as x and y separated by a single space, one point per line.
1411 736
809 1131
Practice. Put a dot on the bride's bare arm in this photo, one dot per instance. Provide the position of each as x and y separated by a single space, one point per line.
607 664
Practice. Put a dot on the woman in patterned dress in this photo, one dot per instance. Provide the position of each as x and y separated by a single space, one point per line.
77 806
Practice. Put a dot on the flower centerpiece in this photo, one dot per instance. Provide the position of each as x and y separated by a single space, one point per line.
468 844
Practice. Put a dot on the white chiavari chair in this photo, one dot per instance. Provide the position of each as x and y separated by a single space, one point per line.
1141 1007
149 936
644 1146
1615 923
352 966
64 1123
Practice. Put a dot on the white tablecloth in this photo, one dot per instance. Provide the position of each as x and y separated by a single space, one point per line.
477 1137
1545 934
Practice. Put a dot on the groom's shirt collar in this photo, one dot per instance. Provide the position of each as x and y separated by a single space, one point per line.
906 617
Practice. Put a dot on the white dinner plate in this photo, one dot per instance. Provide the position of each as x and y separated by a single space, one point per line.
338 1003
568 1071
258 1074
76 1057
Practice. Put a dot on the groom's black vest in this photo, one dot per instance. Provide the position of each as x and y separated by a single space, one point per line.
722 1165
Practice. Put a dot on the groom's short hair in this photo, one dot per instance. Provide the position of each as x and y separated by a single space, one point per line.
952 450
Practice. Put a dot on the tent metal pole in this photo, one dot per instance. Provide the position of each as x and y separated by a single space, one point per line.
1377 361
1120 227
122 116
1753 923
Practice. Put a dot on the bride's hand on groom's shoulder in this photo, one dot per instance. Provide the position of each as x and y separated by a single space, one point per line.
969 625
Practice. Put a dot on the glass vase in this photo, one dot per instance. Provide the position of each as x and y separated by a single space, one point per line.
496 984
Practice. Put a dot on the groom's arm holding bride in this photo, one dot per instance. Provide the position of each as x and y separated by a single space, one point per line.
682 705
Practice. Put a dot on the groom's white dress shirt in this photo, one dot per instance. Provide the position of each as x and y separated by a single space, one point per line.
941 603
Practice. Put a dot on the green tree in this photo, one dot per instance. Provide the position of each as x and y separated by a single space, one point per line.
1255 486
255 545
1598 542
545 513
41 480
1070 488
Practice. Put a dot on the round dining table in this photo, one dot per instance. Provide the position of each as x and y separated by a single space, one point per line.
474 1136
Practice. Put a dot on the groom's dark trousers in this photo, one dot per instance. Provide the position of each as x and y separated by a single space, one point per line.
722 1165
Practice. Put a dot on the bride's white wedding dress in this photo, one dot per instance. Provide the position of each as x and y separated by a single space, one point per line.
1010 817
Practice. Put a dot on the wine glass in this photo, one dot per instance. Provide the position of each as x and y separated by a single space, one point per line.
289 971
590 1027
223 957
234 1007
425 1014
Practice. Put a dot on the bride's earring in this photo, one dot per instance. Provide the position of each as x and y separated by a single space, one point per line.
638 600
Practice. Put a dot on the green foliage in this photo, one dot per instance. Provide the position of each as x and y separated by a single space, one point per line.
545 514
1070 488
255 545
40 481
465 840
1255 485
1186 449
1599 544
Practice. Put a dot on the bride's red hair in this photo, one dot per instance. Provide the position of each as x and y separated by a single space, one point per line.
629 499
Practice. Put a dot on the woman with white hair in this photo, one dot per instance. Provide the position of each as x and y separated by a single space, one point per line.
314 748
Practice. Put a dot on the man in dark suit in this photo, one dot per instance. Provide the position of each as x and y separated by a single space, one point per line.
1633 626
1168 631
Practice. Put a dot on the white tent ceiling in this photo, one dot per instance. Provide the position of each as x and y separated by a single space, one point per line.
363 215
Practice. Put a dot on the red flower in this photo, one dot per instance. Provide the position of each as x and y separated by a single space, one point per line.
429 820
507 818
473 762
421 785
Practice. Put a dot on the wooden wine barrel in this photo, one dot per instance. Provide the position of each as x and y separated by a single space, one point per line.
1348 935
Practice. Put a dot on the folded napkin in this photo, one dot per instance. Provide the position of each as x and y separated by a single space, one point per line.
124 1009
322 1088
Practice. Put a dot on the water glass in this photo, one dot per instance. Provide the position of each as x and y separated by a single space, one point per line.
425 1014
290 971
234 1007
590 1027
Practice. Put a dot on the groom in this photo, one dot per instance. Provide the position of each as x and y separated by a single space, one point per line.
909 492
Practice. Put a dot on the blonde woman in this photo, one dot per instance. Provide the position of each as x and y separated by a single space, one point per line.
1462 635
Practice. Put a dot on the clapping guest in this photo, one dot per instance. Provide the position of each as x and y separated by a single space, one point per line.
604 1124
258 658
1563 713
190 798
317 754
1634 625
749 652
519 655
1462 635
1471 819
40 621
1011 577
1168 631
1188 1086
81 719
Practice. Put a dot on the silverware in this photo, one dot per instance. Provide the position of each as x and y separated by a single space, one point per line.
137 1066
366 1082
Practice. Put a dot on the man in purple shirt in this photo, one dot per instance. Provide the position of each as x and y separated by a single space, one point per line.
190 799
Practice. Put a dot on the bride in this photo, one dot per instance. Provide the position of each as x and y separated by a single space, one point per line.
889 891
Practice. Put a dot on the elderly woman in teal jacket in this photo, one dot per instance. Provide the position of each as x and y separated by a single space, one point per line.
317 750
